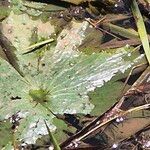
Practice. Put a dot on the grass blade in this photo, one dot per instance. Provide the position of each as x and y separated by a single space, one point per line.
141 29
52 138
30 48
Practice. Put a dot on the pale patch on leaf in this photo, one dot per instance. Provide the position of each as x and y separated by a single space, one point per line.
18 29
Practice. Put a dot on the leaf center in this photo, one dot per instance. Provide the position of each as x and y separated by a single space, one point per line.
39 96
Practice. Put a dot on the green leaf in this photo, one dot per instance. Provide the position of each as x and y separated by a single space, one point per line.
141 29
105 96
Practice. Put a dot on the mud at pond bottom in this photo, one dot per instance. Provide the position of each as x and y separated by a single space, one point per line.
127 127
